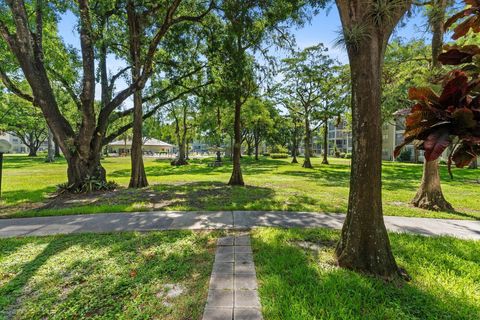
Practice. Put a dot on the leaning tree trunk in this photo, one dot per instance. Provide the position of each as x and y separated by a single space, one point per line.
429 196
364 245
325 143
237 178
138 178
308 135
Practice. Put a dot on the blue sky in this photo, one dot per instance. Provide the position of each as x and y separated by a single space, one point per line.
323 28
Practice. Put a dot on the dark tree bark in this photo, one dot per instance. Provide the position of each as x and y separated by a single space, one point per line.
307 144
56 149
429 195
237 178
364 245
325 142
138 178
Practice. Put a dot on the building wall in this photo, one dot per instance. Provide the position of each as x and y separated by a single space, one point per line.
17 145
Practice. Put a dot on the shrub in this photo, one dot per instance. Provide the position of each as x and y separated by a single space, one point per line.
91 184
279 155
266 154
342 155
405 156
278 149
348 155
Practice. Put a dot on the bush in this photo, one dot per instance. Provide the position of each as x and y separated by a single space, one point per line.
342 155
348 155
405 156
266 154
91 184
278 149
279 155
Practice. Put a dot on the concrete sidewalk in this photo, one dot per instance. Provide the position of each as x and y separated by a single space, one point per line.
233 220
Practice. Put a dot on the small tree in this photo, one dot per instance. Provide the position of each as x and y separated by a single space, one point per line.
304 88
24 121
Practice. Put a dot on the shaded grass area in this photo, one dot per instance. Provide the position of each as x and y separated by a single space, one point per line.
271 185
107 276
299 284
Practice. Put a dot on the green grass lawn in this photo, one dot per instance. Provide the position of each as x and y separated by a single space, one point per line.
271 185
297 283
106 276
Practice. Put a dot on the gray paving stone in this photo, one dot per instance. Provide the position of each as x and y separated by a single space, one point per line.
170 220
219 314
223 267
247 314
245 281
243 249
225 241
225 249
247 298
247 267
224 257
220 281
244 257
220 298
242 240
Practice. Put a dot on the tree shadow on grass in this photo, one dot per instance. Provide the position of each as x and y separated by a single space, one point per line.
185 196
19 162
127 278
200 167
297 284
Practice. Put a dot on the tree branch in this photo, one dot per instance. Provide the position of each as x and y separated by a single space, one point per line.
13 88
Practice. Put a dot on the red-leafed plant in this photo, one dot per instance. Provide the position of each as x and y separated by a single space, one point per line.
452 117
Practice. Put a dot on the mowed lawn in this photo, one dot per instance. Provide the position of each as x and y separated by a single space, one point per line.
298 279
28 184
154 275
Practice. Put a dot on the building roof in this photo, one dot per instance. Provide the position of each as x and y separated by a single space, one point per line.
148 142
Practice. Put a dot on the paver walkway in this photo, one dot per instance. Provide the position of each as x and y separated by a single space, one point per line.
235 220
233 285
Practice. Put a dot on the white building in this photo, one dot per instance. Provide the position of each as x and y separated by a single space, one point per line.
149 147
17 144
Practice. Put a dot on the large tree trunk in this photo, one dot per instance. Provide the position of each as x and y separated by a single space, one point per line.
138 178
429 196
256 149
364 245
325 143
181 160
82 170
307 142
237 178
